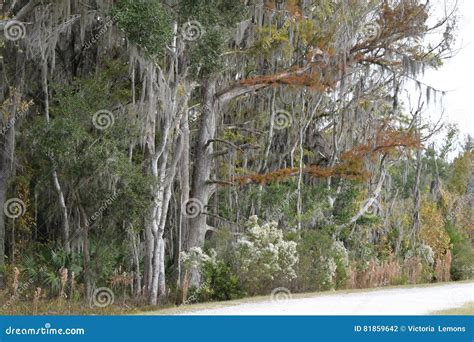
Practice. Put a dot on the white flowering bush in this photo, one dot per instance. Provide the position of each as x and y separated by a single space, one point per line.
264 256
427 254
333 266
196 258
424 252
328 268
340 252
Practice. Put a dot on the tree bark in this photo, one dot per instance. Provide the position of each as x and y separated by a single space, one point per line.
3 191
86 255
57 185
201 190
185 190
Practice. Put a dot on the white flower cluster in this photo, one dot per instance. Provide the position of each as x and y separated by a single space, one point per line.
196 257
263 253
424 251
329 268
341 252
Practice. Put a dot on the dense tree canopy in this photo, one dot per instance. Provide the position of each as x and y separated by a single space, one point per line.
211 149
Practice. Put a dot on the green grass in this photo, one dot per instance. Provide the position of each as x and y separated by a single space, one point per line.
467 309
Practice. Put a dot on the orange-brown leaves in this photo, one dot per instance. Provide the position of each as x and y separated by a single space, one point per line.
346 169
407 18
291 6
274 176
351 165
311 79
386 141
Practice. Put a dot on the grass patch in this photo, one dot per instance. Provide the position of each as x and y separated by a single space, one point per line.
467 309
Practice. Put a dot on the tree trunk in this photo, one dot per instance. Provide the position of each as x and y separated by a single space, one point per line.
167 176
7 152
134 240
57 185
4 174
201 190
86 255
416 199
3 192
148 259
185 189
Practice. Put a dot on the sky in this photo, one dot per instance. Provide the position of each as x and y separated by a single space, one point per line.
456 76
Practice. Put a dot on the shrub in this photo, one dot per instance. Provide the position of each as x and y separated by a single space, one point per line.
263 256
323 262
432 231
462 266
219 283
197 258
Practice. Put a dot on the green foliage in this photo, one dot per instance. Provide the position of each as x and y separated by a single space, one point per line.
463 254
219 283
103 172
93 166
278 202
322 262
146 23
271 39
361 250
400 280
89 157
212 12
205 56
461 170
345 205
216 18
432 231
41 264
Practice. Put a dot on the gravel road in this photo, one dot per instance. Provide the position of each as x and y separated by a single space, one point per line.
398 301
